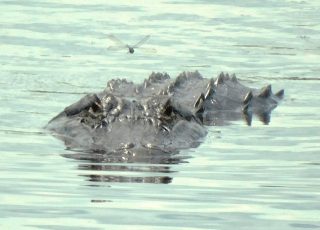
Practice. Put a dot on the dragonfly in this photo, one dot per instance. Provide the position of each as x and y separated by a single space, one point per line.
118 44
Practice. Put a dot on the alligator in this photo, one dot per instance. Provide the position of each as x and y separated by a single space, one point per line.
160 115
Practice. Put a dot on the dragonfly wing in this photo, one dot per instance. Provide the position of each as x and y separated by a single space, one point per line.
116 40
148 50
114 48
140 43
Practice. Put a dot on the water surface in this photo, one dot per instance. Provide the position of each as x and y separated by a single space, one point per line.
258 177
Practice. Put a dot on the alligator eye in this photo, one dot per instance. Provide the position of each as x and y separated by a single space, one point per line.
165 128
95 107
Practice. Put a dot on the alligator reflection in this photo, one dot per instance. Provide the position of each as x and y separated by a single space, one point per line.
127 167
222 118
140 165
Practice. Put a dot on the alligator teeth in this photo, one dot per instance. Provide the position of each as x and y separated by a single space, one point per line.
265 92
219 79
247 98
280 94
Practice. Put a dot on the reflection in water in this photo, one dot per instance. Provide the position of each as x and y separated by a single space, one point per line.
222 118
143 165
124 179
149 166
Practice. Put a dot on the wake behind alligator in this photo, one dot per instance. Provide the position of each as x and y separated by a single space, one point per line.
161 114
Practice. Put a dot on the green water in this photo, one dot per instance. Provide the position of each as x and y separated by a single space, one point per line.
240 177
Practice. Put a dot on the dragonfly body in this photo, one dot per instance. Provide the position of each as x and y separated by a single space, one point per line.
118 44
131 49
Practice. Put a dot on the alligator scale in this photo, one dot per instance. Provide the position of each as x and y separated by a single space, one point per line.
161 114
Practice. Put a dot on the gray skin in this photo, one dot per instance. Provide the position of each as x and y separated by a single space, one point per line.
161 115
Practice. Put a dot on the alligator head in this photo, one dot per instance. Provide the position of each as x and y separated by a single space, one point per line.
161 114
